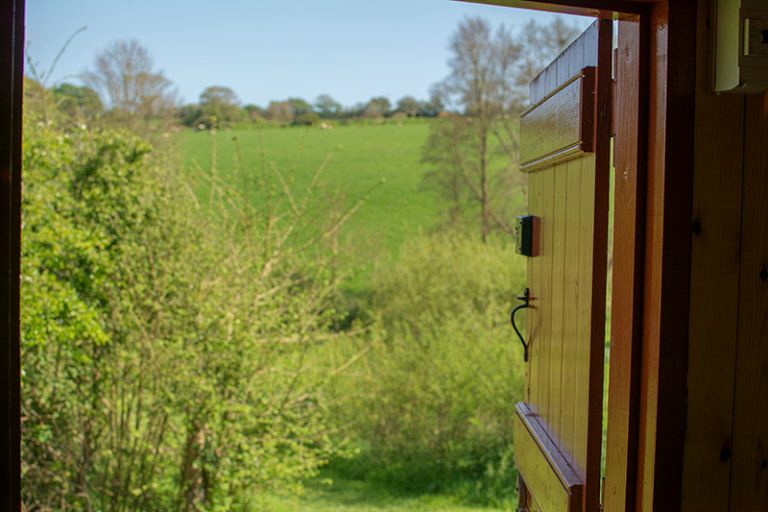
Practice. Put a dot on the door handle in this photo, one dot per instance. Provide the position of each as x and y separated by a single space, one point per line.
526 299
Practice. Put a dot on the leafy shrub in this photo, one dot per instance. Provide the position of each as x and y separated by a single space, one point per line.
163 342
433 399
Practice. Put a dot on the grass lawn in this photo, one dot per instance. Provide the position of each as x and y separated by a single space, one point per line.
382 162
360 496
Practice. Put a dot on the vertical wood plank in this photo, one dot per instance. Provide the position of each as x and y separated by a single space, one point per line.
545 304
716 233
626 299
664 360
749 477
602 128
535 318
585 247
571 309
558 296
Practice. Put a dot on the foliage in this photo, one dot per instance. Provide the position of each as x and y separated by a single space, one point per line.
431 399
327 107
78 102
163 341
219 107
409 106
489 74
378 106
124 76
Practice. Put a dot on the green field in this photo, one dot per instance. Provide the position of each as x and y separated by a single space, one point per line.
379 164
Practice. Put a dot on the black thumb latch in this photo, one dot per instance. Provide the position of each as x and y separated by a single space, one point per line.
526 299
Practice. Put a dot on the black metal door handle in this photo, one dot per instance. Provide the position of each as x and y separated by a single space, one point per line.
526 298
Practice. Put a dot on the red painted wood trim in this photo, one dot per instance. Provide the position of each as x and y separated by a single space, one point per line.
630 105
602 150
669 205
595 8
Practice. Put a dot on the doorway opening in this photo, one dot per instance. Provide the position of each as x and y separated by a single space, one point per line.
229 300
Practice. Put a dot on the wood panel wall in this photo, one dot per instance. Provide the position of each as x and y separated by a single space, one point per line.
716 235
749 470
726 444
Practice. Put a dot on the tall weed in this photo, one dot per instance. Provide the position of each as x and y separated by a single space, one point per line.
432 399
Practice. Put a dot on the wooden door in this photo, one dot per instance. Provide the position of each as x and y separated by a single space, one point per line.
565 145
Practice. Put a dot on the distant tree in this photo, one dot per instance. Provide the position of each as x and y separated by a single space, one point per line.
295 111
190 114
356 110
489 71
219 106
542 43
408 105
124 76
378 106
306 119
327 107
280 112
299 106
434 106
78 102
253 112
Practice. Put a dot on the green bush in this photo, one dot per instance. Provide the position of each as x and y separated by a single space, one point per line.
163 343
432 400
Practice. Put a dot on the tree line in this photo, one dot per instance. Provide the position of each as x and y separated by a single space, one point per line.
488 77
123 87
220 106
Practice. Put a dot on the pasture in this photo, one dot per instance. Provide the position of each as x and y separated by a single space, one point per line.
378 165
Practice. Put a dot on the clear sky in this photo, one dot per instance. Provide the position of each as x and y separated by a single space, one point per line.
268 49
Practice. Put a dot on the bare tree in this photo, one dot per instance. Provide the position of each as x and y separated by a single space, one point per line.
124 76
489 73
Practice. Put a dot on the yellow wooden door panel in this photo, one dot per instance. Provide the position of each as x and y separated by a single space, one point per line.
564 149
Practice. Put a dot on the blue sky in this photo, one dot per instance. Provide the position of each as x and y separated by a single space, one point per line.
268 49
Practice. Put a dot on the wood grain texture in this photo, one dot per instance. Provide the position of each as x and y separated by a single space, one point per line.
552 482
559 127
749 477
714 304
556 339
628 232
571 310
602 150
663 390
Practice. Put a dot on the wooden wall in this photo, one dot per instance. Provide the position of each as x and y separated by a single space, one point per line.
726 447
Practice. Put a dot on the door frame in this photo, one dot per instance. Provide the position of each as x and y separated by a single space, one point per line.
11 82
652 245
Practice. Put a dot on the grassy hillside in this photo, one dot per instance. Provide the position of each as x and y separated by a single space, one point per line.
382 162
